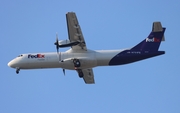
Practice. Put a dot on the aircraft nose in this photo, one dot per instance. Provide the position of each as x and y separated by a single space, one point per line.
11 64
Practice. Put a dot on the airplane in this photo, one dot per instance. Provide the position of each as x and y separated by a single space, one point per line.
82 59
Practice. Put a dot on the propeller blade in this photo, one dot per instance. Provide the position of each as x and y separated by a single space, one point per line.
57 45
64 71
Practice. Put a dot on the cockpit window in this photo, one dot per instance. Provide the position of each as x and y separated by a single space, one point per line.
20 55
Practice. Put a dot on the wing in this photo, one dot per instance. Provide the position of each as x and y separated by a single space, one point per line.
88 75
74 32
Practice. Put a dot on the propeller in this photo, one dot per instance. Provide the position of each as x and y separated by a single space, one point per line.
64 71
57 48
57 45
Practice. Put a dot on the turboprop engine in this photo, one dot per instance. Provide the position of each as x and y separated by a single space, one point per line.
66 43
63 42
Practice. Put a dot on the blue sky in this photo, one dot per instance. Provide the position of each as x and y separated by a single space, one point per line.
150 86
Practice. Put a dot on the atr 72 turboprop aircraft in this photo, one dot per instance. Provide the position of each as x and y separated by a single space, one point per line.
81 59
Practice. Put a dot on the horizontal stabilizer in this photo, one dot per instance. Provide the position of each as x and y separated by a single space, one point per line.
158 27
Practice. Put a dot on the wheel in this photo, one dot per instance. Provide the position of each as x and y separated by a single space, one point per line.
80 73
17 70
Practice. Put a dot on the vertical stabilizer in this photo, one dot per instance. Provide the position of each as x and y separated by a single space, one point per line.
153 41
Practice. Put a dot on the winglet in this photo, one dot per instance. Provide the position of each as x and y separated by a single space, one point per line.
156 27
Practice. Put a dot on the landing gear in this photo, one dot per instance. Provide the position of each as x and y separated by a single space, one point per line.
80 73
77 64
17 70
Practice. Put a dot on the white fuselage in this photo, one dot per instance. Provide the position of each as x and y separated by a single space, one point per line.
88 59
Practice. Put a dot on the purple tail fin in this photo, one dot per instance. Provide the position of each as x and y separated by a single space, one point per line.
151 43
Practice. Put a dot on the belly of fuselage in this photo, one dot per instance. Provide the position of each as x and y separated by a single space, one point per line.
65 61
87 60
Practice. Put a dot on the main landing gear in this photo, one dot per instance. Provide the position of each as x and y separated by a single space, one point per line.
80 73
77 64
17 70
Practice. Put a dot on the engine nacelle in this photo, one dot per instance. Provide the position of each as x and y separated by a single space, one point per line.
64 42
67 43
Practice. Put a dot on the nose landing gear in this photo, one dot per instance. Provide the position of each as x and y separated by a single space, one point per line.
17 70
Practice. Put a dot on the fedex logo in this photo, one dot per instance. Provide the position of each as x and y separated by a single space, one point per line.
36 56
152 40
